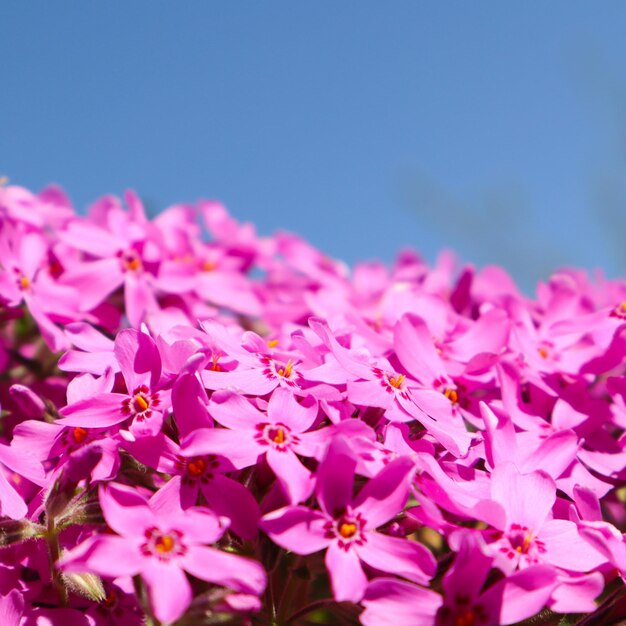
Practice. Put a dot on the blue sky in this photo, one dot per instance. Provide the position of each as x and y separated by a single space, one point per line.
496 129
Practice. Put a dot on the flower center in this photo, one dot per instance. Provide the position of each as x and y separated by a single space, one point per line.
80 434
451 394
24 283
163 545
131 261
140 403
522 547
215 366
110 600
196 467
285 372
466 618
278 436
396 381
208 266
543 352
347 529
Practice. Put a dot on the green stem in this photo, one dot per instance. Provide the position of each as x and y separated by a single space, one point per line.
144 601
54 554
305 610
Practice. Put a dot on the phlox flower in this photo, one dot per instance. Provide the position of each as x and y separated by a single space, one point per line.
145 401
346 526
159 541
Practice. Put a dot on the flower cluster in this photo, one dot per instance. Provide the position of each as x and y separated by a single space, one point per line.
238 429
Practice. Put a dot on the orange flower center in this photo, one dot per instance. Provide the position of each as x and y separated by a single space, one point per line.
523 549
80 434
164 543
396 381
208 266
141 404
452 395
24 282
347 530
196 467
285 372
279 436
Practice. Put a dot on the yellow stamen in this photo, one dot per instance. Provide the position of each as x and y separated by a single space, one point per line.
208 266
543 352
286 371
24 282
347 530
452 395
272 343
164 543
140 403
279 437
396 381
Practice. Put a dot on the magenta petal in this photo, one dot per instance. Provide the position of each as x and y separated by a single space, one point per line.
169 589
390 602
238 446
395 555
235 411
11 502
526 498
415 348
94 281
101 410
198 525
335 476
106 555
369 393
11 608
520 595
189 403
385 494
296 528
139 359
225 569
230 498
241 380
283 407
346 574
138 298
469 571
566 548
296 480
576 594
125 511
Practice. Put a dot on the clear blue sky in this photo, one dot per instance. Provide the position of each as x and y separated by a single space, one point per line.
494 128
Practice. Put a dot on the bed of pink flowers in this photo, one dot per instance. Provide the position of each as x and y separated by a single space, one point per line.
217 427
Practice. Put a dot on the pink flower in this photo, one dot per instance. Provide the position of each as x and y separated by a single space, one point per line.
158 540
346 527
